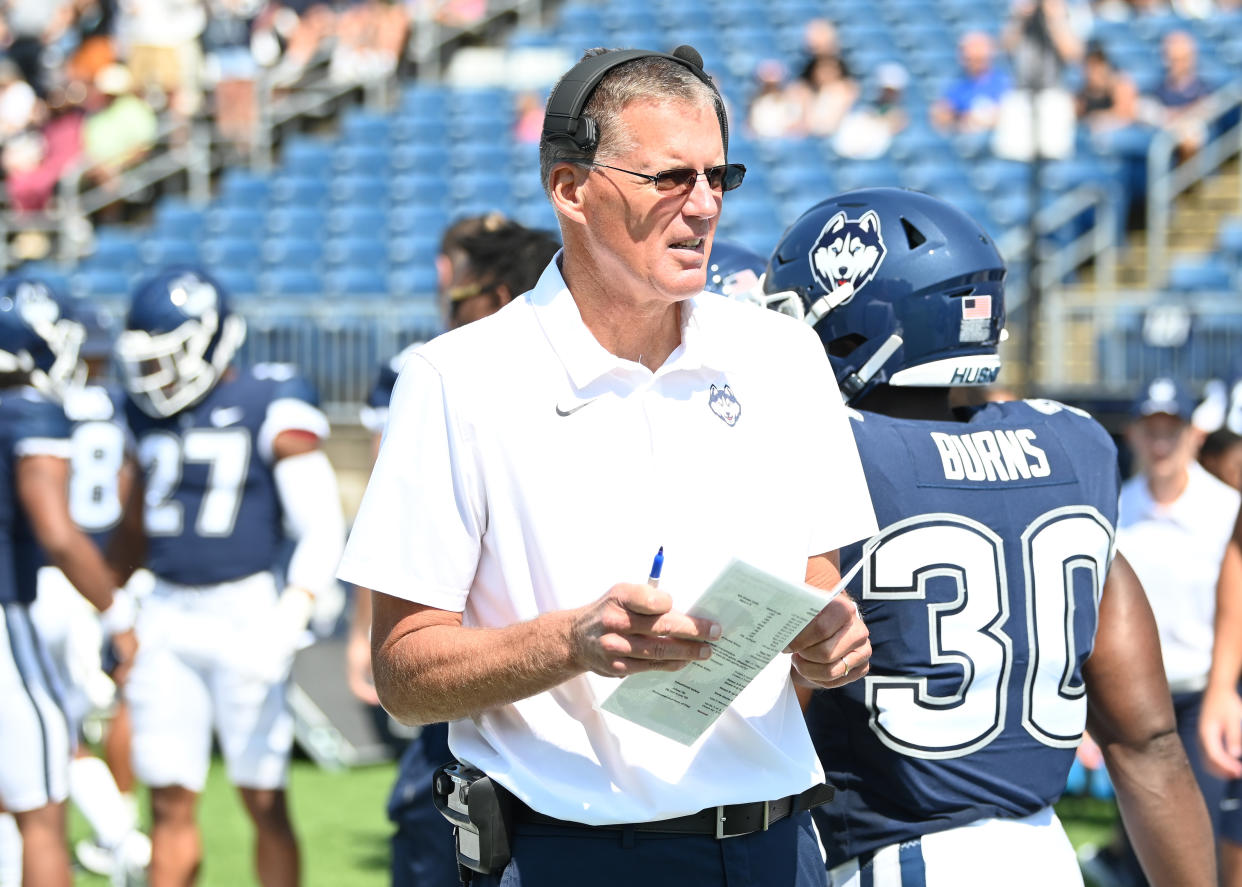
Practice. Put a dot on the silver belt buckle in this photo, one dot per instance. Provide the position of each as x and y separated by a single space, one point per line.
720 821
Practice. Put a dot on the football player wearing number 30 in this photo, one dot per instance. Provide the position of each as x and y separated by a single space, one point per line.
228 459
1001 620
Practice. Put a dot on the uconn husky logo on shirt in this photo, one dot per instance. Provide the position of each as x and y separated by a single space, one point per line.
847 254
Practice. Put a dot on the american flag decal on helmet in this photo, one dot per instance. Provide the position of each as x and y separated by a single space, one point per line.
976 307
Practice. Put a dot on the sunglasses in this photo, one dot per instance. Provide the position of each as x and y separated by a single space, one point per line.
725 177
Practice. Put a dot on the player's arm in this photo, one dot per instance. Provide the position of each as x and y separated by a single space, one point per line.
1220 720
42 483
127 547
1130 715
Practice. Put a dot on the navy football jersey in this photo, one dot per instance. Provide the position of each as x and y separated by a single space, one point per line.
98 446
29 425
375 413
981 593
211 511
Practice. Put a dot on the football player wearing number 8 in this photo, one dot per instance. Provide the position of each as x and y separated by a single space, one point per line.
227 456
1002 620
38 354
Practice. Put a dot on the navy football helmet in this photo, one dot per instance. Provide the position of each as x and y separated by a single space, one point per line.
38 337
734 270
903 289
180 336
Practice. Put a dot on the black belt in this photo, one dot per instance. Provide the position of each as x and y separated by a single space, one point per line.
725 821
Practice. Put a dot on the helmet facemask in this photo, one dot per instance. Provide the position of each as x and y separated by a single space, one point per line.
167 372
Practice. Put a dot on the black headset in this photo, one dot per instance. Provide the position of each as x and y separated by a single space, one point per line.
563 121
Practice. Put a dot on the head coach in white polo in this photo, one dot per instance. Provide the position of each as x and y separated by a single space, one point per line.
535 461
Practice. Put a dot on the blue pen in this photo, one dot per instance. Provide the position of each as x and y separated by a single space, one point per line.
656 566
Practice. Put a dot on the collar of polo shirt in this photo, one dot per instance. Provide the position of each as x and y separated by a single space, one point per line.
586 359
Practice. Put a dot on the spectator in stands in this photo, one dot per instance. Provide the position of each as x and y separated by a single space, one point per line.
370 40
1178 104
19 106
826 92
28 27
164 54
230 69
32 170
774 111
868 131
1108 98
970 103
819 38
528 123
120 127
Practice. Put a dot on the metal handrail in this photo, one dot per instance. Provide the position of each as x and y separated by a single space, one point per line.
1098 244
1166 182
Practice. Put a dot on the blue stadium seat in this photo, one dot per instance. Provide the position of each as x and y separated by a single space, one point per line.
413 280
365 127
422 158
159 251
1229 238
290 281
50 273
237 253
357 281
353 158
304 156
177 217
360 189
416 248
301 190
242 221
1209 274
299 221
431 189
357 220
361 251
241 283
240 187
417 218
115 249
99 282
292 252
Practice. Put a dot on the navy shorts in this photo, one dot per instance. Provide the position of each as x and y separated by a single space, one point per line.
423 854
786 855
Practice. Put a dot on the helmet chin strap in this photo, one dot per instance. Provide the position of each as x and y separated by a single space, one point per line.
856 381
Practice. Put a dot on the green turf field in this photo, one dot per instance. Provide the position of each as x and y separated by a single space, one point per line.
340 820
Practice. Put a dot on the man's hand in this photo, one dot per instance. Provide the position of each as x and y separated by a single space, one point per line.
835 648
634 628
125 646
1220 731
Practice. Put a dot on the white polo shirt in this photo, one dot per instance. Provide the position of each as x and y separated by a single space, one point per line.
1176 550
525 469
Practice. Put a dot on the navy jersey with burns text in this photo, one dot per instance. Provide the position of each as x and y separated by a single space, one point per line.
29 425
211 509
97 452
981 593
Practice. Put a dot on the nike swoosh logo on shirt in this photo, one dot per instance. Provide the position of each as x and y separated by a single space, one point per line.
561 411
222 417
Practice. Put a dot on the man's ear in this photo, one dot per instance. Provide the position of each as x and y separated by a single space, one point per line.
503 296
565 185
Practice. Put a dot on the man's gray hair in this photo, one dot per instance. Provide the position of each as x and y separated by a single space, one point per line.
651 79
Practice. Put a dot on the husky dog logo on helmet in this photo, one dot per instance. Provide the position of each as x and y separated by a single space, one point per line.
847 254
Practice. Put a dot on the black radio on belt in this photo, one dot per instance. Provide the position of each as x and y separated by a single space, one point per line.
481 813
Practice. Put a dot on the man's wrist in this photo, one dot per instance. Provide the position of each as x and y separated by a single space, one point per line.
120 615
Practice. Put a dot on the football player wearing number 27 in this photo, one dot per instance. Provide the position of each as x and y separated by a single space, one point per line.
1002 621
230 461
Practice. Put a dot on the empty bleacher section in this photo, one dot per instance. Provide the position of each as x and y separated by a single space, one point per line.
330 251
